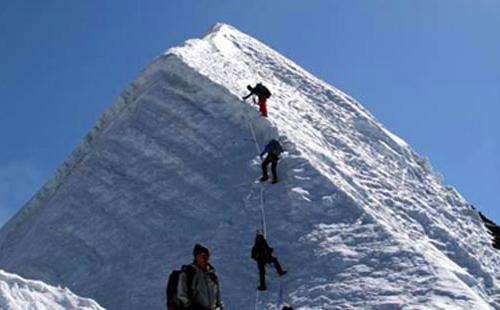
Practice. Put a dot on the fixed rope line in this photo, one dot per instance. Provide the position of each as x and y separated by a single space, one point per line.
254 137
262 213
264 226
280 295
256 300
262 209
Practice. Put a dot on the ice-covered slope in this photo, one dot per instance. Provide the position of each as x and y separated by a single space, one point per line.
17 293
359 219
395 188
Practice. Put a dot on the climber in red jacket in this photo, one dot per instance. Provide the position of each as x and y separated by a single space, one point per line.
262 93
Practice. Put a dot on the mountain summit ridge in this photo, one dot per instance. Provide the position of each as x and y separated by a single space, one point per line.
359 219
204 59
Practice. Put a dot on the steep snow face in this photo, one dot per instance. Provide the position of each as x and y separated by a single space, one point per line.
395 187
17 293
358 219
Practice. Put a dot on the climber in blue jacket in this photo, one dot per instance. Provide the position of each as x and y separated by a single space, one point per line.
273 150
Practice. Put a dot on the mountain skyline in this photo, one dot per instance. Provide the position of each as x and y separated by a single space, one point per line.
428 72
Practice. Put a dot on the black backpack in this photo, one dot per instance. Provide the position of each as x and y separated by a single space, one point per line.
173 303
262 90
275 147
261 251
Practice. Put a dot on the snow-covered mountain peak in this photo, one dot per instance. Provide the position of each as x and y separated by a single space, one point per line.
395 187
359 219
222 29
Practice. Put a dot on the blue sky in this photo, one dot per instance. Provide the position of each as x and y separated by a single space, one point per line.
428 70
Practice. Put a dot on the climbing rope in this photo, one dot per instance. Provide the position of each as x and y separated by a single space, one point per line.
254 137
263 223
262 209
256 300
280 296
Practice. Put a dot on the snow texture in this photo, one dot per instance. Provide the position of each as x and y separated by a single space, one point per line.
359 219
17 293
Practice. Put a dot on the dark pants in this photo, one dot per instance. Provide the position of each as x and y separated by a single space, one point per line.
273 160
262 269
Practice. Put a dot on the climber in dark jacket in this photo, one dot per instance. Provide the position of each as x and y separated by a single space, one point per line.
273 150
262 93
263 254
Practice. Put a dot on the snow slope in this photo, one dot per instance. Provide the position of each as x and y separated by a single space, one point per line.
17 293
359 219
